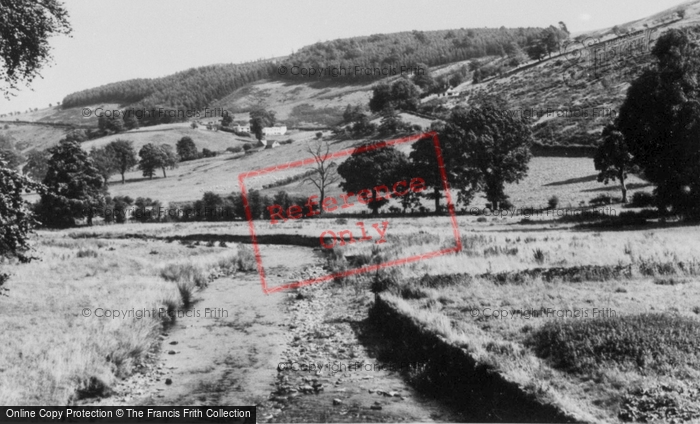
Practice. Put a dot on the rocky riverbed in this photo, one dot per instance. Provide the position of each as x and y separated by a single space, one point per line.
302 355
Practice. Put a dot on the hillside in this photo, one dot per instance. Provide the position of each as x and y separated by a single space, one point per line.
554 84
571 100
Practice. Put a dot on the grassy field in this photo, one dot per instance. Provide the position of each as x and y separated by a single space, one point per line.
606 326
599 322
53 352
572 180
29 137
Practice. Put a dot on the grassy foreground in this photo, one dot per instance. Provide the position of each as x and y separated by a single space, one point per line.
605 325
71 322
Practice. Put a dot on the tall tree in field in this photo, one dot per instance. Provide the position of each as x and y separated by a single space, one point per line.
425 165
74 187
170 158
25 28
660 121
104 162
487 148
326 173
123 154
259 119
613 158
151 159
368 167
154 157
186 149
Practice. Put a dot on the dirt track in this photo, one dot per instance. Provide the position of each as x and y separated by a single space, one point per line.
231 355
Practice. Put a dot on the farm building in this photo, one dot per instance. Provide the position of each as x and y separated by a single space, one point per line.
275 130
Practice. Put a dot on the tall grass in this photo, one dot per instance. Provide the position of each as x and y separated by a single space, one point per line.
184 273
53 354
661 343
246 259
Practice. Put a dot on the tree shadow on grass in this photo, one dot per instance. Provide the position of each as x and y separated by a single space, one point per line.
586 179
610 187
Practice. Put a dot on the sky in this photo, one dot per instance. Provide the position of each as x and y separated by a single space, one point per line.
119 40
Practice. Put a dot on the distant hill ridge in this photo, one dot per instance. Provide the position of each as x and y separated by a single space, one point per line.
195 89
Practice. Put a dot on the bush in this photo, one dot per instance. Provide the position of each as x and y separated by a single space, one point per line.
553 202
86 253
247 146
234 149
184 273
602 199
649 342
246 259
539 256
206 153
642 199
319 135
186 290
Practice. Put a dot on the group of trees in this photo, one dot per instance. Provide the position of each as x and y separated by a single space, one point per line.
431 48
184 92
548 41
658 126
119 123
119 156
483 148
387 100
26 27
197 88
259 119
402 94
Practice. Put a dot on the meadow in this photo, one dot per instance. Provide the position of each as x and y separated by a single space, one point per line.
602 324
62 340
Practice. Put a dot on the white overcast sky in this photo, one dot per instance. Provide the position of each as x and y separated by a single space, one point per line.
118 40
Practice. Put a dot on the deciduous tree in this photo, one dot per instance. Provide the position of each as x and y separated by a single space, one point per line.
74 187
123 154
186 149
104 162
660 121
613 158
326 172
259 119
402 94
486 148
369 166
17 219
25 28
151 159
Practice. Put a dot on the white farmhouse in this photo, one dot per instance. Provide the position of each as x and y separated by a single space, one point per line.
275 130
241 128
